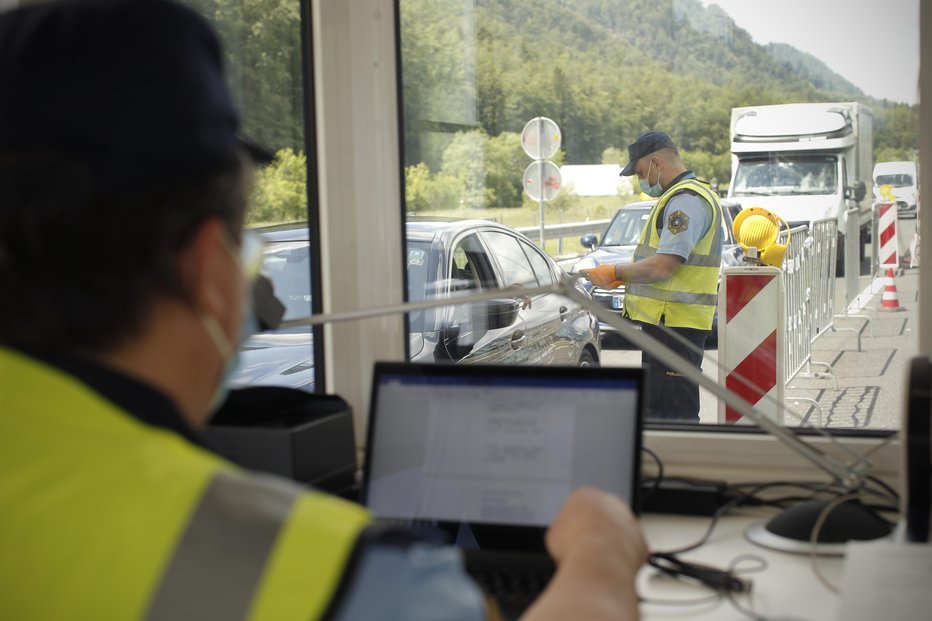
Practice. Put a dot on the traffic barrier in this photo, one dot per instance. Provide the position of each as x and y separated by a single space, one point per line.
889 301
889 248
810 294
751 349
767 340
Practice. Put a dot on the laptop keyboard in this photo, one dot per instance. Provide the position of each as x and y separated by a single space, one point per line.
513 585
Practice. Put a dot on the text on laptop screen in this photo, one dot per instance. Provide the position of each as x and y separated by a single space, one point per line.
505 450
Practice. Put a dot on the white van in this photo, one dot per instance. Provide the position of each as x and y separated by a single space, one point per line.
904 183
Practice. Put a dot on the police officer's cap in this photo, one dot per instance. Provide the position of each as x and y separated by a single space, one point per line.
645 145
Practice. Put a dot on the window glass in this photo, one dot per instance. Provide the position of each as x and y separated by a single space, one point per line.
539 264
264 59
516 270
475 73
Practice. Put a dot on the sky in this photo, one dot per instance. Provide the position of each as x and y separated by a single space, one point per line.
874 44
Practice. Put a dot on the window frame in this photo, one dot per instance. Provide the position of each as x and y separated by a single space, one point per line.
356 31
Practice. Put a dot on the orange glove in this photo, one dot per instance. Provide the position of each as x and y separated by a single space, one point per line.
602 276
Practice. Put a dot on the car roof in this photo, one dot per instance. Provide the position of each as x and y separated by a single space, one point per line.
417 228
291 232
427 229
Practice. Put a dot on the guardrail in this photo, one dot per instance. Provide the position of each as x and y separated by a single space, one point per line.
558 231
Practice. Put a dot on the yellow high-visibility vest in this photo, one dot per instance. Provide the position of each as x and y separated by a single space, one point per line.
688 298
103 517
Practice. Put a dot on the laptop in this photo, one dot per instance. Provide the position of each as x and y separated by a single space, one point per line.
486 456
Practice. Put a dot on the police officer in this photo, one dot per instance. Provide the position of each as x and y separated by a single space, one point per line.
671 284
123 271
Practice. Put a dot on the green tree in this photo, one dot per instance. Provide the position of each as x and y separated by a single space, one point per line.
280 190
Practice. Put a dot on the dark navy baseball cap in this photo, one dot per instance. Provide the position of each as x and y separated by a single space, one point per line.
135 89
645 145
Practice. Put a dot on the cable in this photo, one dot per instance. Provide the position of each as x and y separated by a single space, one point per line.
814 539
681 602
716 579
659 476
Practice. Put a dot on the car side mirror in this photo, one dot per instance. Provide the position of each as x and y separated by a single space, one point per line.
459 338
497 314
589 241
858 191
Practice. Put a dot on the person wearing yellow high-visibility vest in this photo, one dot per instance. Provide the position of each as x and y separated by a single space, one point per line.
124 272
671 285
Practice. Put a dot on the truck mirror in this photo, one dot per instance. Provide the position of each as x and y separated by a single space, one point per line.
860 191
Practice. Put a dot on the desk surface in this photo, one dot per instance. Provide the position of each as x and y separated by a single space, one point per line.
787 589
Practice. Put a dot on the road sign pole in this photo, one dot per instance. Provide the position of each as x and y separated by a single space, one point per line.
540 141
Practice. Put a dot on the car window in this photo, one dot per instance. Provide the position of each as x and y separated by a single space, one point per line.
516 270
540 265
625 229
288 266
471 266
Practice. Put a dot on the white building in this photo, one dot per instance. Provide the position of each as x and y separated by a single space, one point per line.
596 180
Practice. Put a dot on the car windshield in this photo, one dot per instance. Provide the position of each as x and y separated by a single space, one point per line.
626 227
288 266
897 180
786 175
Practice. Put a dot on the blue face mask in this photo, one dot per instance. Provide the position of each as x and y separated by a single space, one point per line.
250 259
656 190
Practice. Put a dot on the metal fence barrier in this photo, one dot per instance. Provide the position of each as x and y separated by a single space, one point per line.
809 280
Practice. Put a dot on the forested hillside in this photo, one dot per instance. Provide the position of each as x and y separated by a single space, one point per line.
475 71
605 71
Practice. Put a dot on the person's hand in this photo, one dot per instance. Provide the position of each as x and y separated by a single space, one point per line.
592 520
598 547
602 276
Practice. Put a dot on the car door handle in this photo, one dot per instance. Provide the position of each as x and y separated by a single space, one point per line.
517 339
563 311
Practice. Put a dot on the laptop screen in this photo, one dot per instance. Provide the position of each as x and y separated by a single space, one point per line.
498 444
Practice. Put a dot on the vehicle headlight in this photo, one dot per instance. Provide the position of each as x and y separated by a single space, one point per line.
585 264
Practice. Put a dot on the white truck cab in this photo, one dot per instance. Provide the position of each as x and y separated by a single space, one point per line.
805 162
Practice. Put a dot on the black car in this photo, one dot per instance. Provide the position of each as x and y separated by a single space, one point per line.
444 259
621 238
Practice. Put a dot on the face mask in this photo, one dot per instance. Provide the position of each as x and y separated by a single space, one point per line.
228 354
250 259
655 190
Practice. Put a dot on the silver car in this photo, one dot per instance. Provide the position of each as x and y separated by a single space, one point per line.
445 259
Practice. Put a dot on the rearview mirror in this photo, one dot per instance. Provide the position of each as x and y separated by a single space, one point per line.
589 241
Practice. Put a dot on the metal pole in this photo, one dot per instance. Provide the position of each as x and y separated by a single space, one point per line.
848 476
540 164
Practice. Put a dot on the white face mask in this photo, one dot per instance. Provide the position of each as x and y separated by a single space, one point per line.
228 355
250 258
655 190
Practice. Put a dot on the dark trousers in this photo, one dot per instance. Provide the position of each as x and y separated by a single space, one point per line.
669 395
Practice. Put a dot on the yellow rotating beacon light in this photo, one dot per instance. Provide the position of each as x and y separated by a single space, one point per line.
758 228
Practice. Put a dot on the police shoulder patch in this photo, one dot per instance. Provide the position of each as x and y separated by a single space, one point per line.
677 222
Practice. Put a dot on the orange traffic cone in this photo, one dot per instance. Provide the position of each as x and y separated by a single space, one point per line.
889 301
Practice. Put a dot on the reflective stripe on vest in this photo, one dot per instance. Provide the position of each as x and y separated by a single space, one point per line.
105 517
687 299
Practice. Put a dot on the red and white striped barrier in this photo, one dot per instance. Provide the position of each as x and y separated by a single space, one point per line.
889 250
750 347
